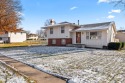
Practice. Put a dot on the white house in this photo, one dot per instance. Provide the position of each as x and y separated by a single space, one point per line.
32 37
12 37
91 35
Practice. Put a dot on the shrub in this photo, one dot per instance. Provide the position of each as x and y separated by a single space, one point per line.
123 45
115 46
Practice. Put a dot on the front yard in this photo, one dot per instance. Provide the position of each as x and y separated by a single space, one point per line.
22 44
80 65
8 75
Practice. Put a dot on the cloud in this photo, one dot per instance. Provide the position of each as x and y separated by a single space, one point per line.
110 17
115 11
72 8
103 1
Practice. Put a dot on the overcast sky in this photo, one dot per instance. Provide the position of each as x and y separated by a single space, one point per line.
36 12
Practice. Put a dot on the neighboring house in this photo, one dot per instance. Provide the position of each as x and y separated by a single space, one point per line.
12 37
121 35
32 37
91 35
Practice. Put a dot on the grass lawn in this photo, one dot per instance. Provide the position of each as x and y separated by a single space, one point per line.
26 43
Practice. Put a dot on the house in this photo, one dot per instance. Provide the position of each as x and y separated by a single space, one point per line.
121 35
95 35
32 36
12 37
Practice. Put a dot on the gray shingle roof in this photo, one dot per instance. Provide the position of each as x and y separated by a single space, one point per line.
96 26
65 22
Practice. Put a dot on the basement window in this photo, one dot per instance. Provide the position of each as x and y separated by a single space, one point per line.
53 41
63 41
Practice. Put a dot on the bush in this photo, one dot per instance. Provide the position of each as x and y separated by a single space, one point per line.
123 45
115 46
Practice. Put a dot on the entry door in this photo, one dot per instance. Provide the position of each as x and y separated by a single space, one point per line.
78 37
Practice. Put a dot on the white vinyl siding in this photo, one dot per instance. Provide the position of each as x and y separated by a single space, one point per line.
97 43
87 35
57 32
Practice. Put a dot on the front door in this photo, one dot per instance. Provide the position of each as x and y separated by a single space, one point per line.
78 37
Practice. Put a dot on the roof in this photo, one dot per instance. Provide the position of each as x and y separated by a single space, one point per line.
95 26
64 22
2 31
60 24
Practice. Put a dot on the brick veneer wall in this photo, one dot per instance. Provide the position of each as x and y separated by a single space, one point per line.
58 42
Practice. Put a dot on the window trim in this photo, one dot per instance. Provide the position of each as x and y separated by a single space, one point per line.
99 35
51 30
62 29
53 43
63 43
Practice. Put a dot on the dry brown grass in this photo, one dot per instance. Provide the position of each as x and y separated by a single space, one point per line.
26 43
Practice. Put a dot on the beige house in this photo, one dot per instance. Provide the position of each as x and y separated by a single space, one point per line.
95 35
121 35
12 37
32 37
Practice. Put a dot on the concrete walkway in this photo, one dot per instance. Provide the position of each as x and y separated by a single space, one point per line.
32 73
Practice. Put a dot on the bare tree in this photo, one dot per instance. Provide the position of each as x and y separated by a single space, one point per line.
41 33
10 16
119 3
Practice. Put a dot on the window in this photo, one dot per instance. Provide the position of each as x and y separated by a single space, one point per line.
63 41
93 35
0 38
51 30
99 35
62 29
53 41
87 35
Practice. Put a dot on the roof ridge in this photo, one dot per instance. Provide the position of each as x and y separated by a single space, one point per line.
97 23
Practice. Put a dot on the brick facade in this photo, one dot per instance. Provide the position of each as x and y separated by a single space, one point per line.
58 42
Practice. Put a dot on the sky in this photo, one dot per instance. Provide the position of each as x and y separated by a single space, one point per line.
36 12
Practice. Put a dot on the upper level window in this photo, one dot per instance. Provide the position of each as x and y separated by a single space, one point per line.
0 38
62 29
51 30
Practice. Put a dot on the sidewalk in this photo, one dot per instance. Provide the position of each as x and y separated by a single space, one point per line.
32 73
